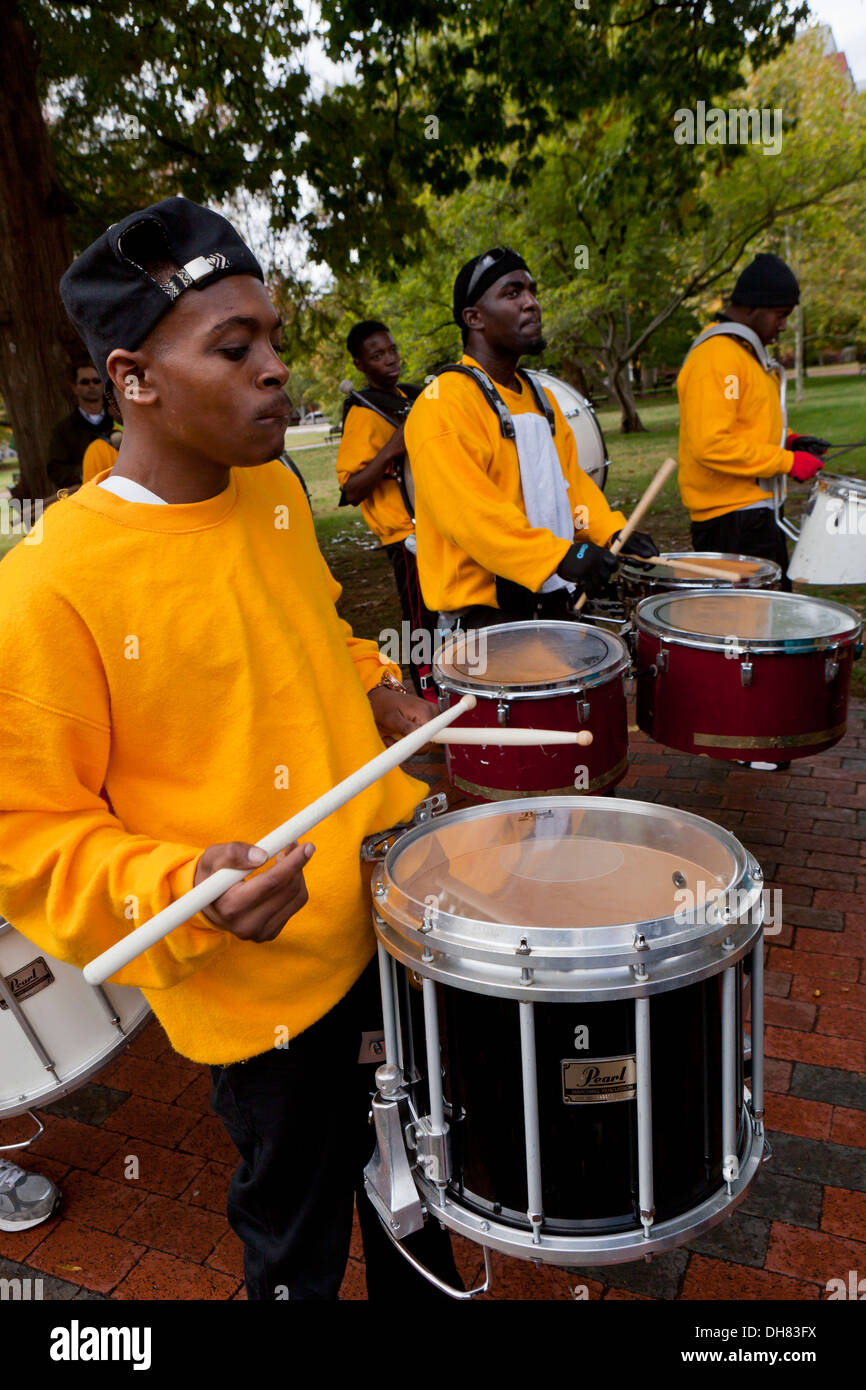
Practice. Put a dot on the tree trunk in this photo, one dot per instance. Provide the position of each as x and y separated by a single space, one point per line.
37 341
621 388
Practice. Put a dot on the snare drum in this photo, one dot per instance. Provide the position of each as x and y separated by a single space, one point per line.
536 675
744 676
832 544
568 1083
56 1030
636 582
591 448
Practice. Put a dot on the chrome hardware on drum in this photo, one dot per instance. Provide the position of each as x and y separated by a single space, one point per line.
562 987
744 676
537 675
56 1030
591 448
831 548
636 582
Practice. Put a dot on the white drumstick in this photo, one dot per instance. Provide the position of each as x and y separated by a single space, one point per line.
203 894
511 738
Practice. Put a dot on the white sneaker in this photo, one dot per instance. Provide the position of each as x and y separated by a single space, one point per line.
25 1198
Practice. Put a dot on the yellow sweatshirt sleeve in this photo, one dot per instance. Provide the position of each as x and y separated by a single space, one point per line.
364 434
470 511
715 405
72 878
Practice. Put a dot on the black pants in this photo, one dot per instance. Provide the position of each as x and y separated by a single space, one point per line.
415 612
298 1117
752 531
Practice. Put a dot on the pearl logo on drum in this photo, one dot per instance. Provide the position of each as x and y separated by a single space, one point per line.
602 1079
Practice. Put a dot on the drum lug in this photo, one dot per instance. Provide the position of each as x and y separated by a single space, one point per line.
746 672
388 1176
443 701
831 669
639 943
434 1152
661 661
503 714
583 711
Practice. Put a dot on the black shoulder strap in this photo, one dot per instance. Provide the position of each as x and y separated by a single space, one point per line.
540 397
384 401
495 401
489 392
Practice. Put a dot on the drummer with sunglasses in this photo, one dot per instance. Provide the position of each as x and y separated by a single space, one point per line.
509 527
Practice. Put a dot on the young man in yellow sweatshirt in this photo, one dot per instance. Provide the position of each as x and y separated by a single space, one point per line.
185 690
508 524
733 443
369 470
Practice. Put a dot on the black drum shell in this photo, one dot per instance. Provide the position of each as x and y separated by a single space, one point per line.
589 1156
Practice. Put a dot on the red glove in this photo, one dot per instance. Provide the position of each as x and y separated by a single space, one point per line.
805 466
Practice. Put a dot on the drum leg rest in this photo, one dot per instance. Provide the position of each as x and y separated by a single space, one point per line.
462 1294
25 1143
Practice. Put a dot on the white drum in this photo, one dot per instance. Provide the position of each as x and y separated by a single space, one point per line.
591 448
56 1030
832 544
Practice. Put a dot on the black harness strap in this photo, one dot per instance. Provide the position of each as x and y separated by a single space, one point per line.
495 401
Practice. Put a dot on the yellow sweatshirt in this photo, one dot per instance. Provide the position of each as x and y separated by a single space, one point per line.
384 510
470 517
730 427
187 683
98 457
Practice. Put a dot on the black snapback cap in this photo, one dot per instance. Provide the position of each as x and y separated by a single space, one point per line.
112 300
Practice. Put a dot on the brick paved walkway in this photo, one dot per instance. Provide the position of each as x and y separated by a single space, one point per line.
164 1235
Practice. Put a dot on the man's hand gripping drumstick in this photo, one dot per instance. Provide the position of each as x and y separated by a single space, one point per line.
254 914
668 468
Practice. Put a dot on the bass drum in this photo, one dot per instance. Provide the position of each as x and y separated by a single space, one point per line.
591 448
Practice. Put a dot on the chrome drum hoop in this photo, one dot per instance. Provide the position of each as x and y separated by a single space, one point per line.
616 664
528 962
647 620
600 1249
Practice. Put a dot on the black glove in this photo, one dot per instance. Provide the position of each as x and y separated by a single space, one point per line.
808 444
588 566
639 543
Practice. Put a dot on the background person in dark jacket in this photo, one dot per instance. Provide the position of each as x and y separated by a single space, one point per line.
71 435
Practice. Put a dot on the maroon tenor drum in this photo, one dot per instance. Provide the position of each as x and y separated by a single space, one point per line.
744 675
640 581
537 675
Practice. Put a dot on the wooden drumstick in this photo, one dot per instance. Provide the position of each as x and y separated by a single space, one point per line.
511 738
213 887
691 566
667 469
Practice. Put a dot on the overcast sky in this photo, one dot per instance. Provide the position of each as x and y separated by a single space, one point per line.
847 18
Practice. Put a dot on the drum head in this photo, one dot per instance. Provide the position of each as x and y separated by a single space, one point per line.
532 658
745 570
764 621
583 871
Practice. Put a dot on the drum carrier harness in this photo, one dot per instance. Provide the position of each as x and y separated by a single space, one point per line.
384 403
512 598
772 368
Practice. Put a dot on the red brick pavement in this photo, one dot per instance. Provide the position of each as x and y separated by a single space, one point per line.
156 1228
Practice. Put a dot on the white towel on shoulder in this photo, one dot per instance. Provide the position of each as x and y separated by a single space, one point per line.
545 490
